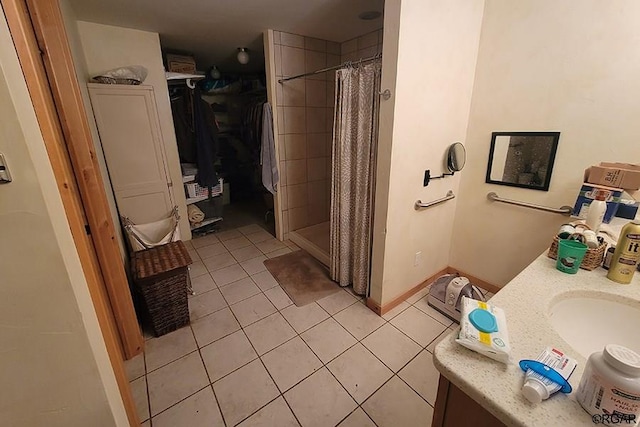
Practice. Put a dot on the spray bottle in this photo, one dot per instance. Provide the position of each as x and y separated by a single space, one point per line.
627 254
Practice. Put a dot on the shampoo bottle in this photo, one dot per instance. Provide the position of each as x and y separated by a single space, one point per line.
627 254
596 211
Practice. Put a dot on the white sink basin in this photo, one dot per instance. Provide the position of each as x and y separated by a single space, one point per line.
589 323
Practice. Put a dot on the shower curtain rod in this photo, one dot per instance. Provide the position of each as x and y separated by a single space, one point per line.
324 70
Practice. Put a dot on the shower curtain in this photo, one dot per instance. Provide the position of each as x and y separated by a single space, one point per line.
355 141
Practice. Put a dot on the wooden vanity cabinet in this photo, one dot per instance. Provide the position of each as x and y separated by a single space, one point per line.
455 409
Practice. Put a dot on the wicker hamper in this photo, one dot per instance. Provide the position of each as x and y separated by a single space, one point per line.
592 259
161 277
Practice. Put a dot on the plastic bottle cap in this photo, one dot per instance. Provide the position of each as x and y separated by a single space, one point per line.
534 391
622 359
483 320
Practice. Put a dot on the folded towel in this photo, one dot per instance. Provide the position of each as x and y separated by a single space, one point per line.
195 214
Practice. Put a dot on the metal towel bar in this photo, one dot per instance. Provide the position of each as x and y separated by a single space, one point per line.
563 210
420 205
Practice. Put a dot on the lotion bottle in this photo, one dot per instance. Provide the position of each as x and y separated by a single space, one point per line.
627 254
596 212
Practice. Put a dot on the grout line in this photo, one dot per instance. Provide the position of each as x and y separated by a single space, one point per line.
208 376
299 334
181 400
146 382
174 360
265 368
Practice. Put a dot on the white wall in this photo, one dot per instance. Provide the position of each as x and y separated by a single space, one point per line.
106 47
55 368
437 44
83 76
543 65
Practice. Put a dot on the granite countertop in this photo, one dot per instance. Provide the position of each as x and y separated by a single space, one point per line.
526 301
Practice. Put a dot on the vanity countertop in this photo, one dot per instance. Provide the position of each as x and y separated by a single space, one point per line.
526 301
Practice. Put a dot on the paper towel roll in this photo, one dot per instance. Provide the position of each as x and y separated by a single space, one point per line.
195 214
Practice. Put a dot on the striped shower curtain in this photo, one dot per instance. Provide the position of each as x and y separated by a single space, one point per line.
355 141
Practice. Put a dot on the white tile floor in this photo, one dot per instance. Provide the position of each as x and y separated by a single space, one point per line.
252 358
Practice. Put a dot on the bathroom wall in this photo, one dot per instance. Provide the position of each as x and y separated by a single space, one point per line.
304 111
545 65
434 46
364 46
82 74
106 47
55 366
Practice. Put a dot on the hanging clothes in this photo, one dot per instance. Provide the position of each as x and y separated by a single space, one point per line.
268 161
206 141
183 124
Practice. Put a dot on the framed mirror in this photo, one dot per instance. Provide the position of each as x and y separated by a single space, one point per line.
522 159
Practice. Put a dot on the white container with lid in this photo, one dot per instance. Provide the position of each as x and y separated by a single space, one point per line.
610 385
597 209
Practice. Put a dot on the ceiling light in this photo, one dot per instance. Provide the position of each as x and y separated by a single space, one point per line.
370 15
214 73
243 55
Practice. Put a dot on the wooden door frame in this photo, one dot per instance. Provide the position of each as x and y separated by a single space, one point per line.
38 33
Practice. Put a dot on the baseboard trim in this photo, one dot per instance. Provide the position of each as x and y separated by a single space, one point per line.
381 310
475 280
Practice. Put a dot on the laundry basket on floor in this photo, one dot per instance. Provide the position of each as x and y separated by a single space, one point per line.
161 277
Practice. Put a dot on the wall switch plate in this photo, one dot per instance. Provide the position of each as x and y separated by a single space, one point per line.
427 178
417 260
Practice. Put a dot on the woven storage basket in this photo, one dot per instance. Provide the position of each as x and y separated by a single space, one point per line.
162 279
592 259
116 81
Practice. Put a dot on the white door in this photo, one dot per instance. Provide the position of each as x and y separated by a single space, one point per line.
129 131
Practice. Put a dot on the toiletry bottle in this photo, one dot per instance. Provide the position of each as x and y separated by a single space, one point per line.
627 254
610 385
608 257
596 212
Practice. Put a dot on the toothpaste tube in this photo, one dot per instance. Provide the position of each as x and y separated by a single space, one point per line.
547 374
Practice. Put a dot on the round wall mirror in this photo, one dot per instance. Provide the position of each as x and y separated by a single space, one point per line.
456 157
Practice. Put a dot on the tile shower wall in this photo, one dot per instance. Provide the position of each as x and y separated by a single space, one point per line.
305 123
364 46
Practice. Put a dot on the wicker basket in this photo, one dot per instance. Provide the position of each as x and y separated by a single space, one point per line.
592 259
116 81
162 279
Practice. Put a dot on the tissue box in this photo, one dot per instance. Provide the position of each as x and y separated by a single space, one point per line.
617 175
588 194
627 209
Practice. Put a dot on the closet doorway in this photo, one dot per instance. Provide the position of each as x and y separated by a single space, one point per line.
228 108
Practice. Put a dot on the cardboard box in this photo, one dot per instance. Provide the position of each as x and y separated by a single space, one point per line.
617 175
588 194
181 64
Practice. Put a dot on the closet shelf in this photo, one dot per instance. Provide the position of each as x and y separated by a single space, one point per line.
206 222
192 200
